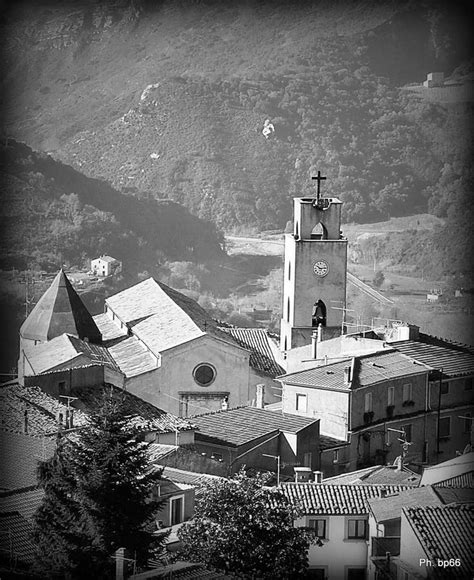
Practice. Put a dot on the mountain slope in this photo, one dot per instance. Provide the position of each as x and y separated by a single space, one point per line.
52 213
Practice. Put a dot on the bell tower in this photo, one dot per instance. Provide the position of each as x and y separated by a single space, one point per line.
314 287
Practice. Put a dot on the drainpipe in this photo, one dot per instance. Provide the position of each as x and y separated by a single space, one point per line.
439 410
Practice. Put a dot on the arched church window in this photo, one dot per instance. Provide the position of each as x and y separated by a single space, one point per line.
204 374
319 232
318 316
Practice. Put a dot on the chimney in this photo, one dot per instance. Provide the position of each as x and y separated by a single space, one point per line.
347 375
25 421
260 396
302 474
318 476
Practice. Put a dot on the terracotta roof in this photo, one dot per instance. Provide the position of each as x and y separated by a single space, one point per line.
368 370
66 351
258 341
445 532
162 317
42 411
390 508
142 414
20 457
319 499
60 310
106 259
455 360
239 426
383 474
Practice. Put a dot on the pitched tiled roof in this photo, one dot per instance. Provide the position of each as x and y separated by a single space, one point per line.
110 331
132 357
66 351
25 502
368 370
15 542
383 474
60 310
181 571
445 532
158 451
459 465
20 457
455 360
390 508
42 411
142 414
463 480
162 317
262 356
239 426
326 442
322 499
454 494
197 480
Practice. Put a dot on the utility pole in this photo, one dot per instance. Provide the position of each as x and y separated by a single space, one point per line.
277 457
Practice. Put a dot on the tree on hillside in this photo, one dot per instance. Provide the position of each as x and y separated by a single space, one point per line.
244 528
97 498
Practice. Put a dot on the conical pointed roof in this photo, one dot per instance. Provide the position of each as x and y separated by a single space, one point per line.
60 310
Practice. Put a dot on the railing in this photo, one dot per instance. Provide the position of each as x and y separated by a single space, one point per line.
383 545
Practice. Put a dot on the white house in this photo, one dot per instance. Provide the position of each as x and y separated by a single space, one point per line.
338 515
105 266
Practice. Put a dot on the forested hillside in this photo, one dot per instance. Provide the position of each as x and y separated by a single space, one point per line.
53 215
333 77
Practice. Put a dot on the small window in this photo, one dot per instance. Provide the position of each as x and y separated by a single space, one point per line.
468 384
391 396
368 402
316 574
62 386
444 427
204 374
356 574
288 310
444 388
301 403
408 432
307 458
335 456
319 526
357 529
289 270
407 392
217 456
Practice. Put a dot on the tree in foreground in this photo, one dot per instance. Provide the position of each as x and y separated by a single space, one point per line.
97 498
243 528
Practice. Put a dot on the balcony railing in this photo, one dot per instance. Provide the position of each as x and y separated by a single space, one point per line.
383 545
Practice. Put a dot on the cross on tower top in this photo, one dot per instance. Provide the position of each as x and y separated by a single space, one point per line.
318 178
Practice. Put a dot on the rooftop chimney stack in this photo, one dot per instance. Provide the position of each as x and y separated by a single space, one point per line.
347 375
318 476
314 344
302 474
260 396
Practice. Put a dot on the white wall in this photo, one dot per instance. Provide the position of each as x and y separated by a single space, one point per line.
330 407
411 551
162 386
337 553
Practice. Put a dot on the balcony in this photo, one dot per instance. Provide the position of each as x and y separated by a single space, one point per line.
383 545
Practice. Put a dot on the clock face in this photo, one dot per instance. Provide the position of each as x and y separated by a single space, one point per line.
321 268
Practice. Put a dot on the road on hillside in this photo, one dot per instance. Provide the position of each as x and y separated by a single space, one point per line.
265 247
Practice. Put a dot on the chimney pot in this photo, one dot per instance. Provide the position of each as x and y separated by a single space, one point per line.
318 476
314 344
260 396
